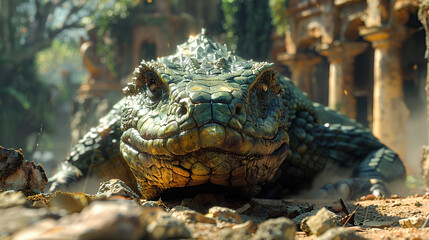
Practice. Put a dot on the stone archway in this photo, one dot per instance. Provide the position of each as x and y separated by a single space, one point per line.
147 34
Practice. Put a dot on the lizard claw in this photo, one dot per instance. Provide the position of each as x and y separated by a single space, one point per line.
341 189
378 188
59 183
350 188
65 176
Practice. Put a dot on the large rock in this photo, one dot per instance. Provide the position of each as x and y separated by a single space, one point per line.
71 202
113 219
233 234
305 215
11 198
116 187
15 218
100 220
276 229
340 233
321 222
20 175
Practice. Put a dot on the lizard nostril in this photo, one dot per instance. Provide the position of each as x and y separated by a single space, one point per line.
182 111
238 110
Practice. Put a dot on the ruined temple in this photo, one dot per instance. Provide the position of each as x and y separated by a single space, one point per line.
153 30
366 60
158 27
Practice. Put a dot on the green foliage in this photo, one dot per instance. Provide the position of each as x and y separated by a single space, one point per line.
248 27
19 96
413 183
26 28
60 56
25 104
113 20
278 14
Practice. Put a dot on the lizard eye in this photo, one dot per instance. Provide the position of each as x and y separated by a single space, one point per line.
153 85
151 80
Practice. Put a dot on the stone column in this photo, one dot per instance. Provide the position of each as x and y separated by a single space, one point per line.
424 157
341 57
301 66
390 113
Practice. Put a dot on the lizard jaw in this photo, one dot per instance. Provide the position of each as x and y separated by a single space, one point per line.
156 173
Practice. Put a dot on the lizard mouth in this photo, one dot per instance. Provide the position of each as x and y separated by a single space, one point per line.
213 164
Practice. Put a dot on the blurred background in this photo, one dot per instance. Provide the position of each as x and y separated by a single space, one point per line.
63 63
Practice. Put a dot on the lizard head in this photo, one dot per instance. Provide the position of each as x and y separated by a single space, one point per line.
203 116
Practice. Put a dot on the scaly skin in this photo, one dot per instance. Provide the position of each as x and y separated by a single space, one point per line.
207 117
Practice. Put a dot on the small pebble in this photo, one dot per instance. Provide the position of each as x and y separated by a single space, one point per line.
116 187
279 228
224 214
150 204
164 226
321 222
193 216
340 233
412 222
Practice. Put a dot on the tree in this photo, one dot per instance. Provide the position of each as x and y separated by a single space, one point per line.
26 28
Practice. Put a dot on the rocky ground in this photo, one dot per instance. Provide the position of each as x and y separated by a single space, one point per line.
116 213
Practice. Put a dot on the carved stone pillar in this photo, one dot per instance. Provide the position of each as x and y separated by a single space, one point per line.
424 157
341 58
390 113
301 65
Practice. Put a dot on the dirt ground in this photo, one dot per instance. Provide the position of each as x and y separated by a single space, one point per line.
374 219
378 219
